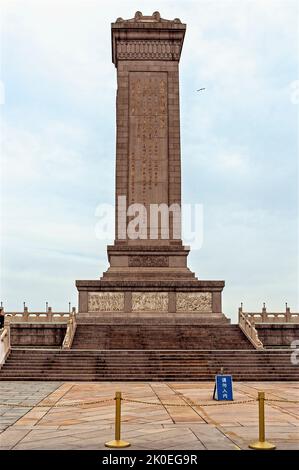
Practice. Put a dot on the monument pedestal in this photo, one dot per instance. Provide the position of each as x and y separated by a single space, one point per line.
150 280
182 297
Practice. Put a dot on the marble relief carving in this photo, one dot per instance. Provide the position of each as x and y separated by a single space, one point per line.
148 261
149 301
194 302
106 302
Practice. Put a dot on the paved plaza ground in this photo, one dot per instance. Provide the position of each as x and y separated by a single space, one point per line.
145 426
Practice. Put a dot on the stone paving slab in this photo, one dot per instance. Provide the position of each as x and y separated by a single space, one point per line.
27 393
146 426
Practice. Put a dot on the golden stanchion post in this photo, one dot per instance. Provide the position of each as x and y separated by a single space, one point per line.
262 444
117 442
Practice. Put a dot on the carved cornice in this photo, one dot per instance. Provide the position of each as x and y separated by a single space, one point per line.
147 38
148 50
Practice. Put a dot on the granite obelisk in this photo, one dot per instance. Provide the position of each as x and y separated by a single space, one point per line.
148 273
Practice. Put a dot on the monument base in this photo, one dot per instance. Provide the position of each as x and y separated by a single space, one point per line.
153 279
143 298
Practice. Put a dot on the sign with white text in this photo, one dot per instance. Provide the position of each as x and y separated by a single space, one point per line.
223 387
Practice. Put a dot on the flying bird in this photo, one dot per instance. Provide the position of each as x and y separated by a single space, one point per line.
201 89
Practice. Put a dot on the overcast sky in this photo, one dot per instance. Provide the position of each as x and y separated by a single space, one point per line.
239 144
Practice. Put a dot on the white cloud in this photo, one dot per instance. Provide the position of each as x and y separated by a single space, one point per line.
28 157
63 42
233 161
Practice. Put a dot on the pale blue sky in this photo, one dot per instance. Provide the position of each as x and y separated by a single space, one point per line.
239 144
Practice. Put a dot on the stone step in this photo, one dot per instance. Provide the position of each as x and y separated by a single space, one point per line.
148 371
126 358
184 362
153 354
149 352
167 362
156 364
105 318
144 377
195 354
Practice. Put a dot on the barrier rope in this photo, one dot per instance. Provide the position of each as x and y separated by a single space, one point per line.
56 405
206 403
143 402
281 400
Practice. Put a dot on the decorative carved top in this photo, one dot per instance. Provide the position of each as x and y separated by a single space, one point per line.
154 18
147 38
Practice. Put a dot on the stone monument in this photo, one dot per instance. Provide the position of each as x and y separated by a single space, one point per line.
148 271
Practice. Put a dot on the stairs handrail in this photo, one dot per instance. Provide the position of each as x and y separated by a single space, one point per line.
4 343
249 330
70 331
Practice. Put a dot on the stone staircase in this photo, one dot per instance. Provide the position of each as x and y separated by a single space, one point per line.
135 350
147 365
146 336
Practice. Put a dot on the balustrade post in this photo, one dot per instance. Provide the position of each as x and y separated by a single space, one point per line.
26 313
264 313
288 314
50 315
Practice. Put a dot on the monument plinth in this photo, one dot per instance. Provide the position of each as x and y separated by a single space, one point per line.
148 270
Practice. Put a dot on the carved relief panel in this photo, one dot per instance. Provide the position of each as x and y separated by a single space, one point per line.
149 301
105 301
148 261
194 302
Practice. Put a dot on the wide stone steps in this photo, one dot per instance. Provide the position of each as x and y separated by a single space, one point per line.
145 337
128 365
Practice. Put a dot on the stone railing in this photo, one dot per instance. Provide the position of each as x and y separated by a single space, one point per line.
70 332
249 330
4 343
271 317
38 317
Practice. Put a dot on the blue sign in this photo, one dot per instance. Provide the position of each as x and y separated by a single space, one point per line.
223 387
